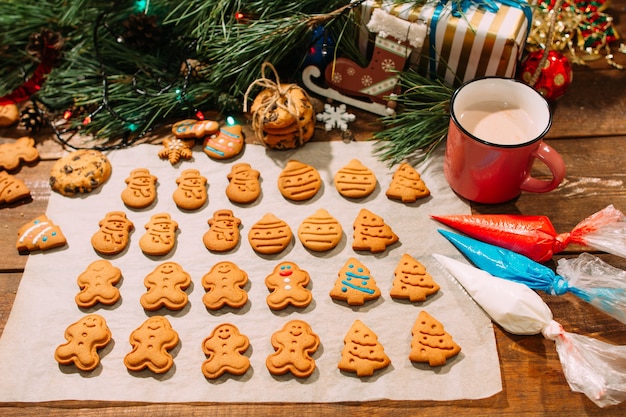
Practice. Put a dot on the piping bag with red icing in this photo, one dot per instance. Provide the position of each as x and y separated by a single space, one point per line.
535 236
592 367
587 276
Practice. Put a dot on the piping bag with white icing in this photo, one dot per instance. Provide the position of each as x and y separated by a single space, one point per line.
592 367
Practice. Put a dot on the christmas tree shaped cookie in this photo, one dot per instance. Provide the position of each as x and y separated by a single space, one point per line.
371 233
362 353
354 285
412 281
407 185
430 341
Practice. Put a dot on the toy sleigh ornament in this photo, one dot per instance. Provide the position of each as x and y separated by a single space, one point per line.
372 88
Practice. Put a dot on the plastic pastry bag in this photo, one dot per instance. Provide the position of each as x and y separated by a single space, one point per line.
535 236
592 367
590 279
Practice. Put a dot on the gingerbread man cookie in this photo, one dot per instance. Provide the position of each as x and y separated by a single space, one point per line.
243 186
97 284
113 236
151 344
166 288
223 233
13 153
160 236
293 345
224 349
224 286
191 193
140 190
287 284
84 338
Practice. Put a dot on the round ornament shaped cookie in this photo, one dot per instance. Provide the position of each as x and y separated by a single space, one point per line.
355 180
299 181
80 171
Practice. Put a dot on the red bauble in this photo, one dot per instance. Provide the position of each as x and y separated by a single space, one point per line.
555 77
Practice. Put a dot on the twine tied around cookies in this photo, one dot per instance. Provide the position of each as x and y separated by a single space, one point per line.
281 98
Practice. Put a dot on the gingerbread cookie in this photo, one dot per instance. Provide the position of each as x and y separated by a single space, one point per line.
175 149
270 235
412 282
224 286
293 345
431 343
355 180
81 171
225 144
97 284
407 185
191 193
299 181
113 236
151 344
320 232
224 349
84 338
354 284
166 288
244 186
9 114
140 189
12 189
13 153
371 233
194 129
362 352
223 233
287 285
39 234
160 236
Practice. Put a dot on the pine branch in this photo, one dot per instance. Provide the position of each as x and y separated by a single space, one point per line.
420 124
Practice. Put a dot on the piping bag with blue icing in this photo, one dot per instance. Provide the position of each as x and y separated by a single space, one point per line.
592 367
587 276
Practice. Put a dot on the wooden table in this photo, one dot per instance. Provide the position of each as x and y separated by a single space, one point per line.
589 131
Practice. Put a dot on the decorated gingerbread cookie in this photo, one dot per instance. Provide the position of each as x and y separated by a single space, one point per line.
151 343
293 346
225 144
166 287
140 189
175 149
287 285
39 234
355 285
113 236
224 286
194 129
84 338
224 349
160 236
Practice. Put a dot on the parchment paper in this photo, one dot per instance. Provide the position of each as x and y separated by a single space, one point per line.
44 305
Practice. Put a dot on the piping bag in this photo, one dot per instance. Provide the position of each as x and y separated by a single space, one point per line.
592 367
535 236
587 276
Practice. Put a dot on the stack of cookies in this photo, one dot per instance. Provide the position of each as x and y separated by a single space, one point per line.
283 117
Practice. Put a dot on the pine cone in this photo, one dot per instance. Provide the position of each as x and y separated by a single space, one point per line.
142 31
46 38
32 118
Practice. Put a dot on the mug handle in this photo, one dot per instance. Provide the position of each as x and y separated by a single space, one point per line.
554 162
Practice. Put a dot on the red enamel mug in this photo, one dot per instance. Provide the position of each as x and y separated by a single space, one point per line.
495 135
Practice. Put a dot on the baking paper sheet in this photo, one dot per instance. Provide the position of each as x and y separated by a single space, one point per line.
44 305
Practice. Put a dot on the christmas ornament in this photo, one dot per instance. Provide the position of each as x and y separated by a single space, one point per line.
335 117
372 88
550 76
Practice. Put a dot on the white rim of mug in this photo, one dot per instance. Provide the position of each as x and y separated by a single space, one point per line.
499 145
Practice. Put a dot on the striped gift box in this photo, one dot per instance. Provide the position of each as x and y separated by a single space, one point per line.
475 43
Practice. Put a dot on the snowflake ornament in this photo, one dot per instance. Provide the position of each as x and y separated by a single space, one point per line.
335 117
